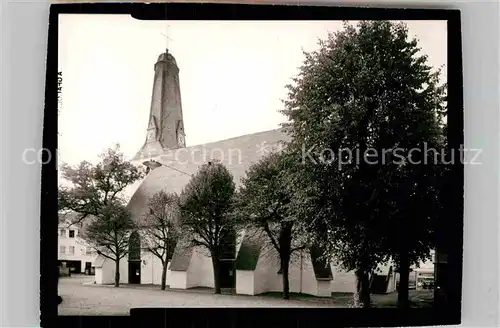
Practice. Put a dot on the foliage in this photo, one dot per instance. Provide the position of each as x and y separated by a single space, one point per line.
161 228
358 107
207 204
108 233
93 187
264 199
161 224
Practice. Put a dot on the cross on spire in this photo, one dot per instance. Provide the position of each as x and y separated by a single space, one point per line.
166 35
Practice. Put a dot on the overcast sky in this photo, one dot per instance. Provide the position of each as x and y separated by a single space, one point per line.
232 75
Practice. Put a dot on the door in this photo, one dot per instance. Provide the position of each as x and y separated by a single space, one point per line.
134 272
227 274
88 268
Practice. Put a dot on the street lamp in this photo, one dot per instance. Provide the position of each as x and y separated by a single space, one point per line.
151 165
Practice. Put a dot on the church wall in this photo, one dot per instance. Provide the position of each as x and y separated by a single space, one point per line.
245 283
245 279
192 273
391 287
343 281
123 270
309 282
302 277
239 239
129 190
260 275
200 270
266 278
178 280
98 277
265 273
106 274
384 270
323 288
151 271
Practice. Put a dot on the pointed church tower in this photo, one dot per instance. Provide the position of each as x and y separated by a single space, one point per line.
165 125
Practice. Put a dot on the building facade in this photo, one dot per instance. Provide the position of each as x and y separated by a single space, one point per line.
73 252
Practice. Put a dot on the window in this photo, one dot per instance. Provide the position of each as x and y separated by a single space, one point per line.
62 233
72 249
62 249
72 234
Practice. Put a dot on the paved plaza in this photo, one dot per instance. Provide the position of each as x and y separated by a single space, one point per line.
80 297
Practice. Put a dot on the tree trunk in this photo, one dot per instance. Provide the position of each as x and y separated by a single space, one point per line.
216 265
404 277
164 275
285 244
285 271
117 273
362 294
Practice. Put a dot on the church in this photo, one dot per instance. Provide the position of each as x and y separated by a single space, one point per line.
251 267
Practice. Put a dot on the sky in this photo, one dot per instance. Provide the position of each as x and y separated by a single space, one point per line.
232 75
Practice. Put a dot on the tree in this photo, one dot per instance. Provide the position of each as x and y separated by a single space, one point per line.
161 228
207 212
264 200
417 193
108 233
365 98
93 187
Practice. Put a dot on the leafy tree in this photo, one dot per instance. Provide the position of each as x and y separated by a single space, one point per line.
207 212
417 197
93 187
108 233
264 199
359 105
161 228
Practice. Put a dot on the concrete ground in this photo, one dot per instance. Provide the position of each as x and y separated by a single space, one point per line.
80 297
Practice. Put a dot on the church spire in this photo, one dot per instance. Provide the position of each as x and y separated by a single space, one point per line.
165 128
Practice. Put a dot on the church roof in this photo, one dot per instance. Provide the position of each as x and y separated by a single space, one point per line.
182 255
237 154
321 267
99 261
249 252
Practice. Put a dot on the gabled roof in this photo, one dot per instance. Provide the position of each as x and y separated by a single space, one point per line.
182 255
250 250
322 268
99 261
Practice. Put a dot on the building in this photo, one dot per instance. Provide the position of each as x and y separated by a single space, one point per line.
250 267
72 249
423 275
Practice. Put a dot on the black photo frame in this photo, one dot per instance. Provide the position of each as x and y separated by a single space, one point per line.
447 308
